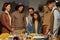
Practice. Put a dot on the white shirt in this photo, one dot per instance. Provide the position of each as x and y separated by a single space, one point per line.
29 20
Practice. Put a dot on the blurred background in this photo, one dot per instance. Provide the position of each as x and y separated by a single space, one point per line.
36 4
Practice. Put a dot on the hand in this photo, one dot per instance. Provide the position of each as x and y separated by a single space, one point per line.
12 29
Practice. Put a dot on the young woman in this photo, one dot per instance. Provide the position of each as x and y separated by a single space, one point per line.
37 25
6 19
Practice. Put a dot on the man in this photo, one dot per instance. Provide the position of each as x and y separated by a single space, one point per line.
29 18
47 20
19 19
52 5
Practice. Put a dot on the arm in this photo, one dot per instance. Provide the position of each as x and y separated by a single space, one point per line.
51 22
3 20
41 28
55 26
24 21
12 19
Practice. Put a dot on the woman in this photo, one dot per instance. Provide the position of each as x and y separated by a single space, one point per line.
19 19
37 25
6 19
47 20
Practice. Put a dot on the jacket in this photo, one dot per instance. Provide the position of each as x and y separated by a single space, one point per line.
39 29
6 27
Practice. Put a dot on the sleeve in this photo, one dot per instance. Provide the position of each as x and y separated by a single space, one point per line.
40 29
3 20
24 21
51 23
12 19
55 26
56 14
43 20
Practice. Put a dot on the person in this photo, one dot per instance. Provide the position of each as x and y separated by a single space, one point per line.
47 20
6 19
19 19
36 22
52 6
29 19
0 25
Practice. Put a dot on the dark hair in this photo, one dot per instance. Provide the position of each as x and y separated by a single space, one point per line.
50 1
31 8
17 6
43 6
39 18
5 5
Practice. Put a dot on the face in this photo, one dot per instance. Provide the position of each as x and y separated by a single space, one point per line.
46 9
35 16
51 5
31 11
20 8
8 7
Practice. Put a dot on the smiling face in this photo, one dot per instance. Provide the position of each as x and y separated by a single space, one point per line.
8 7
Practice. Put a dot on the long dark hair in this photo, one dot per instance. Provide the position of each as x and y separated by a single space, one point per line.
39 18
17 6
5 5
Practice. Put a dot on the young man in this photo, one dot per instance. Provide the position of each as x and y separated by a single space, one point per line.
47 20
19 19
29 18
52 6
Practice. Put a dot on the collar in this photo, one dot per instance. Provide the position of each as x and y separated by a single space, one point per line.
54 8
7 12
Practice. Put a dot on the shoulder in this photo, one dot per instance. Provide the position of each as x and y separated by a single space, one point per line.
50 13
3 14
44 13
56 11
23 14
15 12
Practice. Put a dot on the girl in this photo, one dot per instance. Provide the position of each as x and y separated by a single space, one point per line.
6 19
37 25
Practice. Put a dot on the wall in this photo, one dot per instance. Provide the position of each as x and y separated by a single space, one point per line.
35 3
30 3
